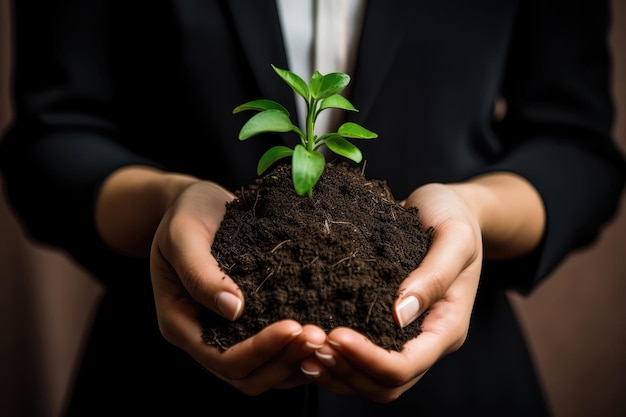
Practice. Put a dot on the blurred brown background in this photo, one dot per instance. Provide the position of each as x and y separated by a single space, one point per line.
576 321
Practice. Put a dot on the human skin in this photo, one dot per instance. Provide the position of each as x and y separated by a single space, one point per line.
496 216
172 218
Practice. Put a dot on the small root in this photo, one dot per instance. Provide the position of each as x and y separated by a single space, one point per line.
339 222
312 261
267 277
216 341
352 255
279 245
326 227
255 201
369 310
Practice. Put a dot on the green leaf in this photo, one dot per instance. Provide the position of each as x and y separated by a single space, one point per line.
315 83
340 146
266 121
294 81
272 155
307 162
355 131
329 84
337 101
260 105
307 167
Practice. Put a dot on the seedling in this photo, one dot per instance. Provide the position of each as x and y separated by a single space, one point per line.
307 162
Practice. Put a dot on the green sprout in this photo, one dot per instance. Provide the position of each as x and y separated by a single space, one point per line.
307 162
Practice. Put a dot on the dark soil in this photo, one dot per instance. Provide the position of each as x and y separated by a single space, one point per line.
334 259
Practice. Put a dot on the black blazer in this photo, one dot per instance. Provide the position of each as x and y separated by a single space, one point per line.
103 84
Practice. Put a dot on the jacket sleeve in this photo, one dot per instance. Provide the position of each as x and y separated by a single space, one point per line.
62 144
559 123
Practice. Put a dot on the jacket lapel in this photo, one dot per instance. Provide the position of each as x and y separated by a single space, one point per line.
384 25
258 26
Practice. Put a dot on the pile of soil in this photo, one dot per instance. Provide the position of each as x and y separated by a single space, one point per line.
334 259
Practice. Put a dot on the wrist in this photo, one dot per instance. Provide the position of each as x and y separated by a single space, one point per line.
509 211
131 203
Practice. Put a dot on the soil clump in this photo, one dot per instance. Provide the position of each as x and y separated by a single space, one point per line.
333 259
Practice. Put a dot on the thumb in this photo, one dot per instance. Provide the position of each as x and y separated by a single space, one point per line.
182 252
195 278
205 281
452 250
221 295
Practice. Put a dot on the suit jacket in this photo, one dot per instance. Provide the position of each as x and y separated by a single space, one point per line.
104 84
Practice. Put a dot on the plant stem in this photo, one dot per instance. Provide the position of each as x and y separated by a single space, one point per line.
310 124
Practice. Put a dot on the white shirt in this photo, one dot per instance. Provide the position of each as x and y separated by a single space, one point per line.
320 35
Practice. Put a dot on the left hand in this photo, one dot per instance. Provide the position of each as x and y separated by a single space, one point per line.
496 216
445 283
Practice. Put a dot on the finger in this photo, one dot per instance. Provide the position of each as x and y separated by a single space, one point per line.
316 369
453 248
241 366
251 365
333 369
352 351
185 243
302 346
313 338
366 367
283 370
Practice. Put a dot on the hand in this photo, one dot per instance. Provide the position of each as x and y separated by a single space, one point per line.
445 283
185 276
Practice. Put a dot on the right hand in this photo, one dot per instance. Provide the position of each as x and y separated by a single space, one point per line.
186 276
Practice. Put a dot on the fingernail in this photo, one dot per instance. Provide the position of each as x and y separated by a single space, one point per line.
326 358
310 373
336 344
407 310
228 304
311 345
